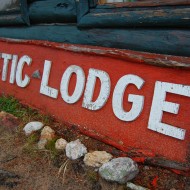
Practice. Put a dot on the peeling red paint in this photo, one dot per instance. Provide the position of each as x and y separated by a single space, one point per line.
155 182
141 160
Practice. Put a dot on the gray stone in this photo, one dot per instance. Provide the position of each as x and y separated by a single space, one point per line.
135 187
119 170
75 150
32 127
97 158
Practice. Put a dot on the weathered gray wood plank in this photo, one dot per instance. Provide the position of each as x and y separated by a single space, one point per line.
147 3
137 17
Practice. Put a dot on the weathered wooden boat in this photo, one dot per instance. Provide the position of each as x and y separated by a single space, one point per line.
120 72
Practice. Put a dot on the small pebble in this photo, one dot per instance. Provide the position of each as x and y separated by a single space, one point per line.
47 133
75 150
32 127
61 144
97 158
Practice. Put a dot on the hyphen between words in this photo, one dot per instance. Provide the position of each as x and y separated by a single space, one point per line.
159 105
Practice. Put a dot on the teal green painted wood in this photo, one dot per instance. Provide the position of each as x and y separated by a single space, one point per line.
176 16
165 41
12 19
14 12
53 11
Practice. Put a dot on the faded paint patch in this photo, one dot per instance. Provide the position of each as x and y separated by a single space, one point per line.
7 5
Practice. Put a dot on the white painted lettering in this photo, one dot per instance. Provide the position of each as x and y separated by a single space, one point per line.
7 58
117 101
20 82
159 105
89 91
79 84
45 89
13 69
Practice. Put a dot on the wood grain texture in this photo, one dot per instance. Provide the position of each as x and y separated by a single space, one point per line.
146 17
163 17
166 41
145 14
127 55
57 11
147 3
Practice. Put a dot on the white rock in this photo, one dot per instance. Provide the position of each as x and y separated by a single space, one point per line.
119 170
97 158
42 143
32 127
47 133
61 144
75 150
135 187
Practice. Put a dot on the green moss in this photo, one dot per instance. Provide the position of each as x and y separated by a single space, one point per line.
92 175
33 138
51 147
26 114
11 105
30 146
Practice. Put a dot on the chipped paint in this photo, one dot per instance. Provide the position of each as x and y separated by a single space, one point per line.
36 74
7 5
128 55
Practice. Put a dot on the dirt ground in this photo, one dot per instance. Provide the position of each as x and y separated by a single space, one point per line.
24 167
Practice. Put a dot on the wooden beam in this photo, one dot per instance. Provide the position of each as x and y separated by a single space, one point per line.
146 3
56 11
165 41
126 17
12 19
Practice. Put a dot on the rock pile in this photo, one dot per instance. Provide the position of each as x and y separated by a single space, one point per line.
120 170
